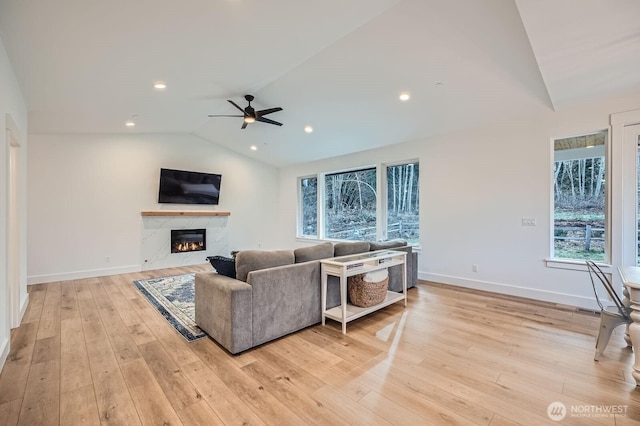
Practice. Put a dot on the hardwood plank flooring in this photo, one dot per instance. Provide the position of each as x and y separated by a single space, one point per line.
94 351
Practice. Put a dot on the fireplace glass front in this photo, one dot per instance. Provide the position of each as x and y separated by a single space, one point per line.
185 240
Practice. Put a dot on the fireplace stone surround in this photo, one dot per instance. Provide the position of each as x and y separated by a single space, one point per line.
156 237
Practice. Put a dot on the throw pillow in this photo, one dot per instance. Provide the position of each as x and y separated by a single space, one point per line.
223 265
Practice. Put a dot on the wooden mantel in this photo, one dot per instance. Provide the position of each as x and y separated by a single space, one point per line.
184 213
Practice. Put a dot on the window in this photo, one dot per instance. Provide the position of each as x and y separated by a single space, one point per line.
402 202
349 205
579 186
309 205
637 138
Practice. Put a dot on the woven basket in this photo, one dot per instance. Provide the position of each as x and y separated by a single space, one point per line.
366 293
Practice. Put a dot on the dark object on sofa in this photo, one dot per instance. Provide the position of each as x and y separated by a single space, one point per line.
223 265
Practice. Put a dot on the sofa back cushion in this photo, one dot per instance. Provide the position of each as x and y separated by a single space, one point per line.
317 252
251 260
351 247
386 245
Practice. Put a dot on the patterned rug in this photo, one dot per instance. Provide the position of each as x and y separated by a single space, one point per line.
174 298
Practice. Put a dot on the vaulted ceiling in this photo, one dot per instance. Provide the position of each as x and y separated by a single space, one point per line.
339 66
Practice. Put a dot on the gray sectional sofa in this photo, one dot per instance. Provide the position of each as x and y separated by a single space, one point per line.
278 292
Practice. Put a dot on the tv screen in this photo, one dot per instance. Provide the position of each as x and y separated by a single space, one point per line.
182 187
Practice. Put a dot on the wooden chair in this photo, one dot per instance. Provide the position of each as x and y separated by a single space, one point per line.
610 316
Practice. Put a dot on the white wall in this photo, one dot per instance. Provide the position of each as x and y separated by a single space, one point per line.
475 187
86 193
13 113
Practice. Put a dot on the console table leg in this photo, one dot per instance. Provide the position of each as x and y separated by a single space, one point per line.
626 301
343 301
634 334
323 290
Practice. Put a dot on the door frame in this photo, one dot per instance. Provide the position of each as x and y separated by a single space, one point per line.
624 199
13 223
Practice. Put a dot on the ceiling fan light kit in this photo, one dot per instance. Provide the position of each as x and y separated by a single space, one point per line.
250 115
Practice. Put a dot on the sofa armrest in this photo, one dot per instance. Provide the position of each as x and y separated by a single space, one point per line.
224 309
285 299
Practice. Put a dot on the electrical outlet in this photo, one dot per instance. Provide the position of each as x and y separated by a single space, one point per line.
474 267
107 259
528 221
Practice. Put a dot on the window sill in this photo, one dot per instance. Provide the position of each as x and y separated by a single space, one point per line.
574 264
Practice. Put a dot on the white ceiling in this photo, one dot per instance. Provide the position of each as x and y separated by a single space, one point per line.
88 66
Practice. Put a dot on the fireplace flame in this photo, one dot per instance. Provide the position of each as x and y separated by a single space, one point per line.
196 246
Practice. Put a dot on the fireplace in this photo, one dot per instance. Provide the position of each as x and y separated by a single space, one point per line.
185 240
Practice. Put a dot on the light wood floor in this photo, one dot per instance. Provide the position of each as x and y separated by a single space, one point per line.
94 351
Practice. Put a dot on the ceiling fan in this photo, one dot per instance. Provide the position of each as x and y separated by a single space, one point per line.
250 115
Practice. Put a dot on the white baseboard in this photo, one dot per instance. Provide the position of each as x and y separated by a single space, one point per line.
77 275
511 290
4 352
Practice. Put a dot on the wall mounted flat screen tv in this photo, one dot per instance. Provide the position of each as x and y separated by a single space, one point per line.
183 187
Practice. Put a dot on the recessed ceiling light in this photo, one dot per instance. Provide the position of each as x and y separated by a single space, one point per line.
254 148
404 96
308 129
160 85
130 123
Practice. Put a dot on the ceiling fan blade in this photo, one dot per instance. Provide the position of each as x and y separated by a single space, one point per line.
267 111
244 125
223 115
237 106
266 120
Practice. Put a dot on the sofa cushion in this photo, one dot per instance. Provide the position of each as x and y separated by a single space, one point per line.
251 260
223 265
384 245
350 247
319 251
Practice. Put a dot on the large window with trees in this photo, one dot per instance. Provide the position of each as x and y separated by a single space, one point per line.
350 203
403 202
309 205
367 204
579 188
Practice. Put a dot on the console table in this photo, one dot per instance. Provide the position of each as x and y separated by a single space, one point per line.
631 279
346 266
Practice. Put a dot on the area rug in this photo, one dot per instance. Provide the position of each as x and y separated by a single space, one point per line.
174 298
